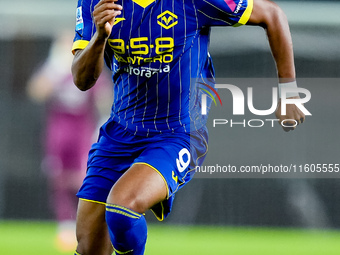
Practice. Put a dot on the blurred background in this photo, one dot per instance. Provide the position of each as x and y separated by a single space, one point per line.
28 34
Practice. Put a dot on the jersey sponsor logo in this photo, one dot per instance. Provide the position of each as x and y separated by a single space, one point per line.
143 3
136 60
79 20
146 71
142 45
142 50
167 19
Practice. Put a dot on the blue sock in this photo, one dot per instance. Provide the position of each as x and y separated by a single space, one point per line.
128 231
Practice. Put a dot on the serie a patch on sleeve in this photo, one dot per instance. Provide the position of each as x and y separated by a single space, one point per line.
79 20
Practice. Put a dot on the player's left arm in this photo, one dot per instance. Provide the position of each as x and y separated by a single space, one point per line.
270 16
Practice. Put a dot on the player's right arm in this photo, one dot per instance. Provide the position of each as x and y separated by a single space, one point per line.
88 62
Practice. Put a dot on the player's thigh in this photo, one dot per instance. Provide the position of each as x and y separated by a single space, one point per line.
140 188
92 232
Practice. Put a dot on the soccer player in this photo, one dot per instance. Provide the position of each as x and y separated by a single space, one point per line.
158 54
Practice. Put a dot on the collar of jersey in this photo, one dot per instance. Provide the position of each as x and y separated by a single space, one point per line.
144 3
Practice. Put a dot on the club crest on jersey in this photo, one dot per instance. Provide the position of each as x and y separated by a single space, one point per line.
79 20
167 19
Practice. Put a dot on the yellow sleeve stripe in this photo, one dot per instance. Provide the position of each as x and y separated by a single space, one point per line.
79 45
246 14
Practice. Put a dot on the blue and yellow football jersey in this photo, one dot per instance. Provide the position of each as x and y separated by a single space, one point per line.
156 52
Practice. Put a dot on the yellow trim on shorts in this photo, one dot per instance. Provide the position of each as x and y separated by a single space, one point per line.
246 14
159 218
92 201
79 45
76 253
166 184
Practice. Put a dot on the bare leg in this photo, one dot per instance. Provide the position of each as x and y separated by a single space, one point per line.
92 233
140 188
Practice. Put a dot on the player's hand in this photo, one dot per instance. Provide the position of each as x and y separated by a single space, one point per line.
292 113
104 15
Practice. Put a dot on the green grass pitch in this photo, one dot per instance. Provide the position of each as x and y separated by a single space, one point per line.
35 238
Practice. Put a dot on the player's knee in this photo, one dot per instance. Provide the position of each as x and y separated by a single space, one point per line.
138 204
132 201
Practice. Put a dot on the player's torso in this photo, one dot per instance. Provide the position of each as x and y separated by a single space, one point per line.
155 51
150 52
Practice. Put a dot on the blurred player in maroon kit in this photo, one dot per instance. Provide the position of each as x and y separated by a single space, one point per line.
71 120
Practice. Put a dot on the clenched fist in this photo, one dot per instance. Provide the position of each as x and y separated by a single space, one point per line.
104 15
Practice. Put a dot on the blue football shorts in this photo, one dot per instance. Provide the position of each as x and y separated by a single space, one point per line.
173 155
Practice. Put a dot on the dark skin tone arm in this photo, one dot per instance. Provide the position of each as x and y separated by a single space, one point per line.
269 16
88 63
